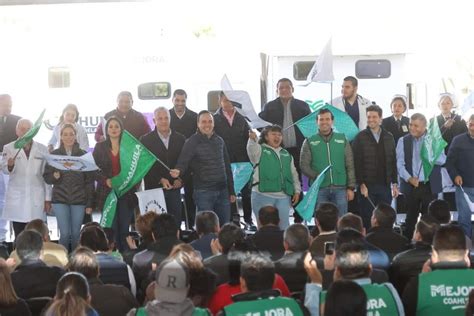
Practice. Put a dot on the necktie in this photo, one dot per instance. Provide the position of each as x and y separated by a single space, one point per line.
399 125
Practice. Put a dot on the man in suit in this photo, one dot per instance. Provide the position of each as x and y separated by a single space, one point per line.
166 145
397 124
8 123
419 191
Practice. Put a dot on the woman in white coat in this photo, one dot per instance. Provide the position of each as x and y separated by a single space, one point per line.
28 197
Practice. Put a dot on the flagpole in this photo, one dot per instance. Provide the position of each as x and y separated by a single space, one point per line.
331 93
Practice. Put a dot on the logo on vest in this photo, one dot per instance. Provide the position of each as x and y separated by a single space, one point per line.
374 305
280 311
315 143
455 296
339 141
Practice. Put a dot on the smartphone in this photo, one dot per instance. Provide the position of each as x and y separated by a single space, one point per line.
329 247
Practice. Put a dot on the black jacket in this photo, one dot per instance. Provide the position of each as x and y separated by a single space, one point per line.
72 187
269 239
110 299
235 136
273 113
168 156
390 125
458 127
187 125
387 240
291 268
219 264
8 131
209 161
367 159
408 264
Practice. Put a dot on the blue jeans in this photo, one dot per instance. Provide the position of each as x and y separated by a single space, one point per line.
121 224
173 204
283 206
69 218
464 212
337 196
378 193
217 201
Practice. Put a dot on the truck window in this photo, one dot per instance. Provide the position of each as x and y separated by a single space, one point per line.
59 77
301 69
373 68
154 90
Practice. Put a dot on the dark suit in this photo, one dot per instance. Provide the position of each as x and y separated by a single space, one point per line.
387 240
390 125
8 129
169 156
291 269
269 238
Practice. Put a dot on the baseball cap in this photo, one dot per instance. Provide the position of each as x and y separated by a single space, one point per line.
172 281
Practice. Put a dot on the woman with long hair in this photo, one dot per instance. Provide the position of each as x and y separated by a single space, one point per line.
10 304
107 157
73 191
275 179
70 115
72 297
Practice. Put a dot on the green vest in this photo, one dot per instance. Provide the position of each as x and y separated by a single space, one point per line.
444 292
283 306
380 300
197 312
329 153
275 172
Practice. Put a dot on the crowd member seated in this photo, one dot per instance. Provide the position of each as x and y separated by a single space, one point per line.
409 263
144 227
106 299
296 241
349 292
439 209
224 293
72 297
229 237
269 237
444 284
326 217
207 227
111 270
258 296
10 303
53 254
171 292
382 235
352 263
32 277
111 243
378 258
165 234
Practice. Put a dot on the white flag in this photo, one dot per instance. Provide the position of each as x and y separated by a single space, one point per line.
322 68
243 98
72 163
151 200
468 200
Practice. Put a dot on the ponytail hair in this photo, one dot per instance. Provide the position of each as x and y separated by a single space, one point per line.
72 294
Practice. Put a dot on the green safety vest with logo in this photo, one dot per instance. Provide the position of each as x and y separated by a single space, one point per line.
274 172
197 312
444 292
278 306
329 153
380 300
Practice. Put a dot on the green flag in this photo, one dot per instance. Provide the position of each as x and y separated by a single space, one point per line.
316 105
306 207
25 139
135 162
241 172
342 123
432 146
110 207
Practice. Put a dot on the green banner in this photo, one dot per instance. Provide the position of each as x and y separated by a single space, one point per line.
241 172
110 207
342 122
306 207
432 146
25 139
135 162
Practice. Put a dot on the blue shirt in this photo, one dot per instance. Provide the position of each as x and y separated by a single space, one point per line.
352 110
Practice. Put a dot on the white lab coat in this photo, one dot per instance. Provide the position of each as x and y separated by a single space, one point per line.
26 190
363 104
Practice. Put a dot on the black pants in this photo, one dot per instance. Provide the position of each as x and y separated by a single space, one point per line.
246 204
295 153
18 228
416 202
189 201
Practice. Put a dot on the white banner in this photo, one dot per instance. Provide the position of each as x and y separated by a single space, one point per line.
72 163
151 200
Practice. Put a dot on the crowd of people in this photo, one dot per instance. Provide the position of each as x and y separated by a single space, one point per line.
355 253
